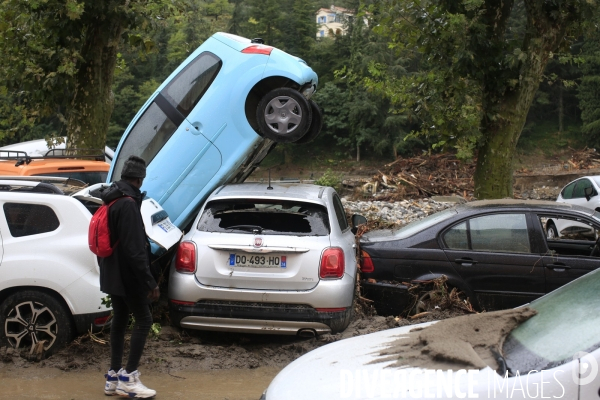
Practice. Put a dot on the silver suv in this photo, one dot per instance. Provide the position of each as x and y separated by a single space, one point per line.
266 259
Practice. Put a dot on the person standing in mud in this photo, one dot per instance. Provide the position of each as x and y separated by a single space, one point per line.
127 277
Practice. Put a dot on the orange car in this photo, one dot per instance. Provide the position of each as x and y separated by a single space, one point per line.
89 170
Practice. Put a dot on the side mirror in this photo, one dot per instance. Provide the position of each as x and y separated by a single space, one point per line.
356 221
589 193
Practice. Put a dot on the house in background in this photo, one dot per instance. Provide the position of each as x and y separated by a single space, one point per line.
331 21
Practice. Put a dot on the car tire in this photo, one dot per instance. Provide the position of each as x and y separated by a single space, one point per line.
551 231
52 322
284 115
315 126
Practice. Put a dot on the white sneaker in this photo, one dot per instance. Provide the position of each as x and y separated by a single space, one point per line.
131 386
112 380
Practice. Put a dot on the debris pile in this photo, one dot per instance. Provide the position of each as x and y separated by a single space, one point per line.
418 177
584 159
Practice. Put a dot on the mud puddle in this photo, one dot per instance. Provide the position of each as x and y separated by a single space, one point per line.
46 383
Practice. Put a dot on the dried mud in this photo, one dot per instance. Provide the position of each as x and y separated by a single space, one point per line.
468 341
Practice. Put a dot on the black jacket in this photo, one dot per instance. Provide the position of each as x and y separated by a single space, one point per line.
126 272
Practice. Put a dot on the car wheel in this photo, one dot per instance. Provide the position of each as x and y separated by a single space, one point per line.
284 115
315 126
29 317
551 231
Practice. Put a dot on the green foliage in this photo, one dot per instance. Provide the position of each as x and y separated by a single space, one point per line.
589 88
330 178
155 330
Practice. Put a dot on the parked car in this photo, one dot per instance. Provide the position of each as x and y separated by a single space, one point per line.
215 118
582 192
496 252
90 169
39 147
554 354
274 259
49 279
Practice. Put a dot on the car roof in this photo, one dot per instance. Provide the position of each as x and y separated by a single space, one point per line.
292 191
529 204
50 165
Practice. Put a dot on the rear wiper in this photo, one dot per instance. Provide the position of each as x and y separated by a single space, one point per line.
503 367
248 228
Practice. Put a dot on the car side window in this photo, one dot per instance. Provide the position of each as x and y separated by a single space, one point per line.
188 87
567 192
583 184
147 137
456 238
29 219
579 191
500 233
340 213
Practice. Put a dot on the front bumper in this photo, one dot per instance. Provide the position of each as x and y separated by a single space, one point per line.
246 317
388 298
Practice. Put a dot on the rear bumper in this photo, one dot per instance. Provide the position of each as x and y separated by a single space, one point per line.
388 299
85 322
270 318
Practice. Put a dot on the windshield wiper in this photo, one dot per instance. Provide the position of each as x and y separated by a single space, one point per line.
501 361
248 228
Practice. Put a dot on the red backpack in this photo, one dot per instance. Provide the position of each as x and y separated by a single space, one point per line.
99 232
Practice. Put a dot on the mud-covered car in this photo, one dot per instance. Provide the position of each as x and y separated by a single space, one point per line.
495 251
274 259
215 118
554 352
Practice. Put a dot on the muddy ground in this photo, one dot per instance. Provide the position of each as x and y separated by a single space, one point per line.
179 364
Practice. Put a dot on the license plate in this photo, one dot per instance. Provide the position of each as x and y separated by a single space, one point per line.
257 261
166 225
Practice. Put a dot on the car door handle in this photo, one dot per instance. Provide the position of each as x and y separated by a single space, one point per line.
558 267
466 262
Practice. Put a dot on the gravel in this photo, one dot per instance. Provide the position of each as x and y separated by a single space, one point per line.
399 212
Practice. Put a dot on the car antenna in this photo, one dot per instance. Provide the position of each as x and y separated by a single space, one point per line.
269 187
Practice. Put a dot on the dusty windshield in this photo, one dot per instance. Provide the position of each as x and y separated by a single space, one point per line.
265 216
567 322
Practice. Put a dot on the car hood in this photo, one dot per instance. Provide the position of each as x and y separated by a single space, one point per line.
159 228
376 366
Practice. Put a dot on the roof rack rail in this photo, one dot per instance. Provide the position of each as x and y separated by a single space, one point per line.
46 179
23 158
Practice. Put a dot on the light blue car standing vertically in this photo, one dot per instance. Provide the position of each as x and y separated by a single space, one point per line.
215 118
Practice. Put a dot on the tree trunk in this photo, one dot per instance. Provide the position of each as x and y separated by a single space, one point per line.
93 100
494 171
357 152
561 108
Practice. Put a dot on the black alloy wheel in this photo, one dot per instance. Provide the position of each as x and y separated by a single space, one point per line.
29 317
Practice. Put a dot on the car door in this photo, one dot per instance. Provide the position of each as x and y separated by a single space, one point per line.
566 258
181 159
492 253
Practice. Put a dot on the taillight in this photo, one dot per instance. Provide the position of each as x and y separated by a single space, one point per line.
258 49
101 320
366 264
332 263
185 261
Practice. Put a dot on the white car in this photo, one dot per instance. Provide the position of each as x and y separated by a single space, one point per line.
274 259
49 279
39 148
554 354
582 192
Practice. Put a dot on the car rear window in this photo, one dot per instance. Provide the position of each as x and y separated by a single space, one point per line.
267 217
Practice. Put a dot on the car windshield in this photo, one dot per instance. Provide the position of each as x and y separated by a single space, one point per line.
265 216
417 226
567 322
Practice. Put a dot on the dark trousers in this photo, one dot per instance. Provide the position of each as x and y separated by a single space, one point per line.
122 307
